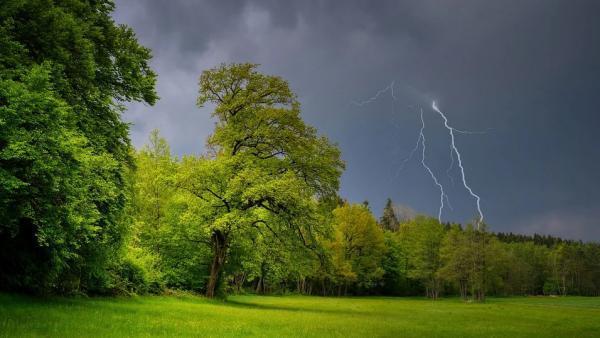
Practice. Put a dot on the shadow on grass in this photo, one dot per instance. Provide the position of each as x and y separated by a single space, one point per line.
258 306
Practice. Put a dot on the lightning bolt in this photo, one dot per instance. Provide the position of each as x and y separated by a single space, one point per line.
451 130
451 166
389 88
413 151
433 177
455 155
452 150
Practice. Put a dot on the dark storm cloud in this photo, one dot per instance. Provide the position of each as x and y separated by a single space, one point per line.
527 69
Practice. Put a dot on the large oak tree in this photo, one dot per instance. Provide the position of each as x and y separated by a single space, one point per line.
265 169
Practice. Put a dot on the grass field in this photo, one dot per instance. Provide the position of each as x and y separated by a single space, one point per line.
298 316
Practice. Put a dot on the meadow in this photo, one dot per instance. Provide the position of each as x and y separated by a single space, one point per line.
299 316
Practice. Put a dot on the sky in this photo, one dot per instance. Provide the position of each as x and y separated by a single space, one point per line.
526 74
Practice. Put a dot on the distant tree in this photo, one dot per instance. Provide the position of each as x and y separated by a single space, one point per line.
527 268
358 247
473 260
366 204
590 279
566 266
483 252
457 260
394 280
547 240
422 238
388 220
404 213
265 169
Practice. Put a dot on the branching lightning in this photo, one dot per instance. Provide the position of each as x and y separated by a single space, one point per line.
421 142
451 130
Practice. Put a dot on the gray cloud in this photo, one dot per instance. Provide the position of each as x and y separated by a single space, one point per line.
527 69
573 223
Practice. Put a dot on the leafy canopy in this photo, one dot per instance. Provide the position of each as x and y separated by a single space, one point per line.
265 168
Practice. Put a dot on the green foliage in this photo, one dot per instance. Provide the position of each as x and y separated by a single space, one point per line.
421 239
389 220
526 272
164 221
357 248
265 167
574 269
394 265
346 252
123 277
64 151
82 212
456 258
153 190
50 179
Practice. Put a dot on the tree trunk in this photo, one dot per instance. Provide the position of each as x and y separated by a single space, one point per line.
238 281
260 286
219 248
463 289
302 285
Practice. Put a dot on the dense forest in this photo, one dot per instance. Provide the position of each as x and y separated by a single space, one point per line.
83 212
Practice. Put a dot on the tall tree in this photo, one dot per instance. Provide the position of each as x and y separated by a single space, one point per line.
153 189
265 168
65 69
389 220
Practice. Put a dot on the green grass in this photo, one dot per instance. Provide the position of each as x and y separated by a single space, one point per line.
298 316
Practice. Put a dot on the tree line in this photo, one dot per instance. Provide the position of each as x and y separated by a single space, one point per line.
400 254
82 211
